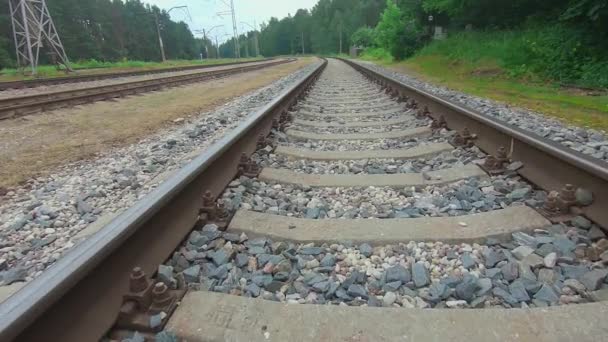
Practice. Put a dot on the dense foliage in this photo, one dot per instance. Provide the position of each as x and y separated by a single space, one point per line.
563 40
319 30
109 30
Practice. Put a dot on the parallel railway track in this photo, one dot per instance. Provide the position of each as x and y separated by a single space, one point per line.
25 105
308 140
103 76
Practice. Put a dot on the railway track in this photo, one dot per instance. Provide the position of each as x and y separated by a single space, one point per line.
29 104
346 190
87 78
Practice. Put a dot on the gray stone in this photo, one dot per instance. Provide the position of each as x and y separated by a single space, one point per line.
165 275
581 222
397 273
467 288
219 273
166 336
366 250
573 272
341 294
547 276
241 260
522 251
550 260
478 302
253 289
510 271
13 275
492 257
231 237
275 286
137 337
83 207
594 279
547 294
322 286
312 278
262 280
420 275
356 290
389 298
525 239
485 286
312 213
156 320
545 249
576 286
311 250
494 273
221 257
18 224
518 291
534 261
439 291
392 286
584 197
329 260
198 240
595 233
504 295
467 261
525 272
563 244
191 274
518 194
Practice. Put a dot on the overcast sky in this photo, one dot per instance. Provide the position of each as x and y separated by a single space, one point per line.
204 12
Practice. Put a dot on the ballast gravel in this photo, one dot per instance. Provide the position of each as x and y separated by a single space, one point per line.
459 198
558 265
39 221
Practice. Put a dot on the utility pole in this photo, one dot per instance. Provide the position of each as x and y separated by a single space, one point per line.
205 32
32 28
232 12
160 40
255 36
340 37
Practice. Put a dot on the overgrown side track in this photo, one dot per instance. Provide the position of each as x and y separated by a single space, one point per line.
454 227
104 76
25 105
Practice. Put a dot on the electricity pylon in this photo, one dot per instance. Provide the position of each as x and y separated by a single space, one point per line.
33 28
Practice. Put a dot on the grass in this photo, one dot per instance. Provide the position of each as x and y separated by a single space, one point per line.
38 144
96 67
486 77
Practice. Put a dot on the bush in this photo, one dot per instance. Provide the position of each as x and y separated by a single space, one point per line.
363 37
558 53
377 54
398 32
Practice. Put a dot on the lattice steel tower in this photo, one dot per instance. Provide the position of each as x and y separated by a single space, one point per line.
33 28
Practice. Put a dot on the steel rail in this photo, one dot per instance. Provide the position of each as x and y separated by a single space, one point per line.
78 298
102 76
547 164
25 105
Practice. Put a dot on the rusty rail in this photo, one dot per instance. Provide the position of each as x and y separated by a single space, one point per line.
103 76
546 163
79 297
25 105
